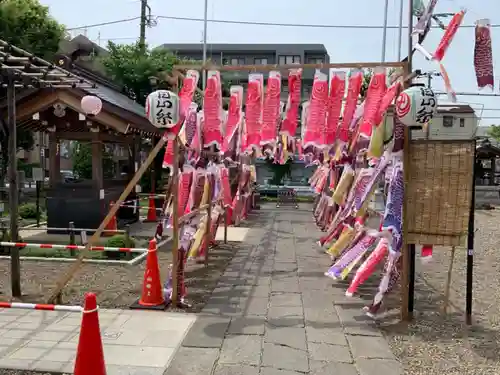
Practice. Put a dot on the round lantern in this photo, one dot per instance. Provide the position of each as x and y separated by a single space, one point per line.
162 109
91 105
416 106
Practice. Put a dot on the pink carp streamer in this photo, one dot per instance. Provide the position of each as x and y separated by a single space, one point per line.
374 96
290 122
186 93
390 277
316 119
426 253
212 108
271 110
253 120
234 117
368 267
448 36
337 90
483 56
354 88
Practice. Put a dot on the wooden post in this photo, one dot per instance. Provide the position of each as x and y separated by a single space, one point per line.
406 315
72 240
175 225
208 237
225 224
15 262
76 266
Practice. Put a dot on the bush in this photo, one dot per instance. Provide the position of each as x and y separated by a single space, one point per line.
27 211
118 240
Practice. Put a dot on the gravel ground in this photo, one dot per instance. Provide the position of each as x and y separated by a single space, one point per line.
434 343
115 286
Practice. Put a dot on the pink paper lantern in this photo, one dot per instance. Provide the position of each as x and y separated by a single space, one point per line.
91 105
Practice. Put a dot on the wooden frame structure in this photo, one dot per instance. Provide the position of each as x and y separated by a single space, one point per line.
407 250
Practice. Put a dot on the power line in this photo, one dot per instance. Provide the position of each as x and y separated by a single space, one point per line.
256 23
320 26
104 23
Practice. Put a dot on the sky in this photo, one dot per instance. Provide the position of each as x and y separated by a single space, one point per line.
343 45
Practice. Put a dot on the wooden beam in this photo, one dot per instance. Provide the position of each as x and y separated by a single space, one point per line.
103 118
267 68
87 136
38 103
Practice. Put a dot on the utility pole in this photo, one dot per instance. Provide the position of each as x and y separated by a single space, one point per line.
144 21
205 27
384 34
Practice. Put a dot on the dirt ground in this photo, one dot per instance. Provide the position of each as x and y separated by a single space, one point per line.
116 286
437 344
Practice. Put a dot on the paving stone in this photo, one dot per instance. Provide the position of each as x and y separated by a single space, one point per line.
247 325
284 357
184 363
333 368
254 306
222 310
286 299
207 332
222 369
327 352
370 347
379 366
321 317
288 336
260 291
275 371
289 286
285 316
244 349
355 322
334 336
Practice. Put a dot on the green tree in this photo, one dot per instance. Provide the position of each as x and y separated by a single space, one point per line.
81 154
26 24
494 132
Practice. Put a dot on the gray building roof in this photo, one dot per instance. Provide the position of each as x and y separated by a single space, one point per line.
278 48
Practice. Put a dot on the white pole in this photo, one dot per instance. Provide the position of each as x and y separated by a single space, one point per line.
400 34
205 24
384 35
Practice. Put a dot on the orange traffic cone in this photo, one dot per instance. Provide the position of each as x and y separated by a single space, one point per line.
152 292
151 210
90 355
112 227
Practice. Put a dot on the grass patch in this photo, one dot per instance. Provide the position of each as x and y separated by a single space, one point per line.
298 199
58 253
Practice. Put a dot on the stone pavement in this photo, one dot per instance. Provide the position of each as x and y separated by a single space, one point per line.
275 313
135 342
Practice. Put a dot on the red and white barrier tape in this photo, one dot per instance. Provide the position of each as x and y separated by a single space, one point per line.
73 247
39 306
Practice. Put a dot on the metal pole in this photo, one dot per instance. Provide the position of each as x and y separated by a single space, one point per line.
15 263
142 31
384 33
470 249
400 27
205 26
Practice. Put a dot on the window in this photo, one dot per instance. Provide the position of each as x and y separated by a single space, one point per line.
260 61
462 123
283 60
448 121
233 61
316 60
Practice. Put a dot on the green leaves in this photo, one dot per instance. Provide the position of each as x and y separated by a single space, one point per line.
494 132
130 66
28 25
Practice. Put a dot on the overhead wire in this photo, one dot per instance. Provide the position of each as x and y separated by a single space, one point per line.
258 23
